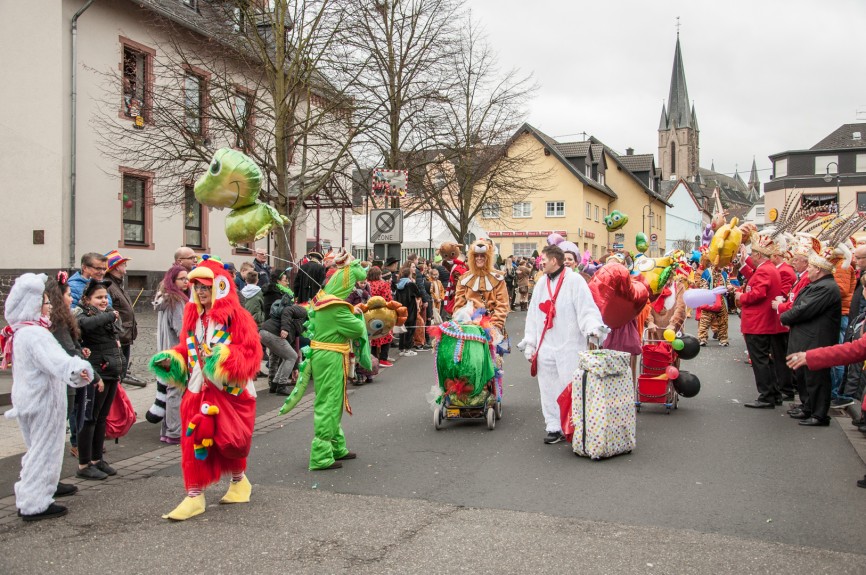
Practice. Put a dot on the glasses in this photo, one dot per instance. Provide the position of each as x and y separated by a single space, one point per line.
99 269
201 287
189 258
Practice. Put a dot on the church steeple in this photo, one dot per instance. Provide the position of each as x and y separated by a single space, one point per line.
679 114
754 183
679 149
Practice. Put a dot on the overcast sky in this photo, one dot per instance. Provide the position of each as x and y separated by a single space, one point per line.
765 76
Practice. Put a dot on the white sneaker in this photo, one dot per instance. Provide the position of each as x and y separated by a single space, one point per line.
411 352
402 354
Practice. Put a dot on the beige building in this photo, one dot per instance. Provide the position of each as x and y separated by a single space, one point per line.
64 195
585 181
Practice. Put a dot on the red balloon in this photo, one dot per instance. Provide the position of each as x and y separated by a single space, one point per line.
672 372
619 296
128 204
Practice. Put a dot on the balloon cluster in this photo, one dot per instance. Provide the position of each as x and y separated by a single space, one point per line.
687 347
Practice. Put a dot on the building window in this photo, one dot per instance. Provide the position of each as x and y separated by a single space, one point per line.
244 119
523 249
136 189
780 168
588 211
521 210
137 70
601 178
827 203
759 211
490 210
238 20
588 171
861 163
193 103
603 213
555 209
193 219
673 158
822 165
596 213
861 201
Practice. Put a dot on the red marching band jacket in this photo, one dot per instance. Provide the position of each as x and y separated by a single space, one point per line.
757 315
798 287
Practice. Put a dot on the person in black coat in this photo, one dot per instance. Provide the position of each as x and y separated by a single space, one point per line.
814 320
407 291
310 278
279 334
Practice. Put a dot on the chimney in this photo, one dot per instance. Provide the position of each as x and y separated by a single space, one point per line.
629 151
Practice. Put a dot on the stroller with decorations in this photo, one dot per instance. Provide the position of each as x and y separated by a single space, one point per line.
469 372
653 385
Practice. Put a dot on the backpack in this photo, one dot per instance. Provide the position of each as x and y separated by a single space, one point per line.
276 309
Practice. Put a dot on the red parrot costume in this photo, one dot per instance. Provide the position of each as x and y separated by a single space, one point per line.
216 363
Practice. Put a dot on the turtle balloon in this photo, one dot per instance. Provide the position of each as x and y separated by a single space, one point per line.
233 181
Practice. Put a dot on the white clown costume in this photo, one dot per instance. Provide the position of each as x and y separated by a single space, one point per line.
41 370
576 317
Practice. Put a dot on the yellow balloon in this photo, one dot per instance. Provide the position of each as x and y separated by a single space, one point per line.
669 335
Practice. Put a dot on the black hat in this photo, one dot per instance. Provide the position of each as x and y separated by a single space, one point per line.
390 261
315 256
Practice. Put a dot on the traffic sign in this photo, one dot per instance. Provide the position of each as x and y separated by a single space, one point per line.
618 246
386 226
654 237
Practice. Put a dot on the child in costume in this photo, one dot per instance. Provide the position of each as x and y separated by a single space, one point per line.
333 329
41 371
100 330
216 362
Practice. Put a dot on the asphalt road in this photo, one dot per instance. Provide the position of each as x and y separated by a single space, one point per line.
713 487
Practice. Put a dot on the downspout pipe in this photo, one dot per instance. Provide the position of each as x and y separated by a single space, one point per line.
72 132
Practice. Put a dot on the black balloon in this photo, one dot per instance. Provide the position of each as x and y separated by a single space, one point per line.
687 384
691 347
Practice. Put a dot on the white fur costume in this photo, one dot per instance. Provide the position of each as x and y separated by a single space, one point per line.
577 316
41 370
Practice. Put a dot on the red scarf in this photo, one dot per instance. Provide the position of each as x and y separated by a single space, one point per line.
659 303
8 333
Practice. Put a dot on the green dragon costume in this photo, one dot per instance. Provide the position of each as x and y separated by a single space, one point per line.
233 180
335 332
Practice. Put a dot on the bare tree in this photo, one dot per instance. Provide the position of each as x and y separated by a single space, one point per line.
475 166
253 75
403 50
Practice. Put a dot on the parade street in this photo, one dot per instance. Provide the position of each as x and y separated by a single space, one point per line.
712 487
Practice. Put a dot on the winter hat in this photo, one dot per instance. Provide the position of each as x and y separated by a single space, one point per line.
115 259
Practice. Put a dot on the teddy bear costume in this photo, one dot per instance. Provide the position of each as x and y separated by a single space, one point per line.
40 373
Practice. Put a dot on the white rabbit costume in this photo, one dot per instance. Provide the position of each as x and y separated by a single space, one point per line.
41 370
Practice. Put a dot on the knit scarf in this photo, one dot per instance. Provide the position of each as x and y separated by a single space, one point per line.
8 333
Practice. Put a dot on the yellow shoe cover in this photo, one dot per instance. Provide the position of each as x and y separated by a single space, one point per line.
238 492
189 507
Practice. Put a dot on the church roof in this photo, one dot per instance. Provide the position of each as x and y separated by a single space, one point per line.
843 137
679 114
732 190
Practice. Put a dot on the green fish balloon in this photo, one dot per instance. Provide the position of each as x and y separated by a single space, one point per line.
233 181
615 220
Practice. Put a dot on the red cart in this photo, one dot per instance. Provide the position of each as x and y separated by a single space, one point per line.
653 385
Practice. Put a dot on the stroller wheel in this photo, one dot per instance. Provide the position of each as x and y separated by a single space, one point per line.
437 418
498 409
491 418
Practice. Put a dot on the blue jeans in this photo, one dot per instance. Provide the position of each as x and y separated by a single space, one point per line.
838 372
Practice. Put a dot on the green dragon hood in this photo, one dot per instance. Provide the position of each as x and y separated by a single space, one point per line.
343 281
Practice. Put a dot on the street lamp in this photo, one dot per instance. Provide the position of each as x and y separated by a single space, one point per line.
828 177
644 217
